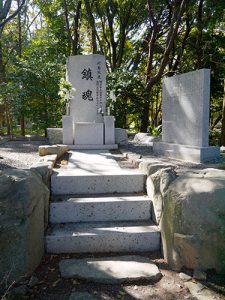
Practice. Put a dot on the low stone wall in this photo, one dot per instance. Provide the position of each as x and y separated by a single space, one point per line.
189 207
24 202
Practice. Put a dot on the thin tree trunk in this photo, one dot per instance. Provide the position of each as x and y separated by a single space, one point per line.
145 117
223 120
2 66
22 118
92 24
76 29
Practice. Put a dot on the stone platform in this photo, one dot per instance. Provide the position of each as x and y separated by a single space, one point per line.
96 172
187 153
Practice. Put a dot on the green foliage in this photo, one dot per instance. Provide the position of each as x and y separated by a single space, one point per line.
130 95
123 30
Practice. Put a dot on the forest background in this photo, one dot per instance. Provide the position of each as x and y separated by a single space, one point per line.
143 42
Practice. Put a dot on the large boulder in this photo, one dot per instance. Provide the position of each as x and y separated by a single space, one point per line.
157 184
193 221
23 213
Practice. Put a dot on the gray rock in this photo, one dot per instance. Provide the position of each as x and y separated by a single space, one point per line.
44 169
199 291
23 206
155 167
157 184
33 281
111 270
144 165
145 138
193 221
18 292
55 135
167 176
59 150
121 137
82 296
199 275
185 277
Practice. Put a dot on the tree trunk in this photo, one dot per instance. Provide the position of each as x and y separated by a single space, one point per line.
145 117
76 29
22 119
2 66
91 21
223 120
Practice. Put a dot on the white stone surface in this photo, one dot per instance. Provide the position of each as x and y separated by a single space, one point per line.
95 209
87 74
185 117
109 130
93 147
86 133
185 108
96 172
192 154
68 128
103 237
111 270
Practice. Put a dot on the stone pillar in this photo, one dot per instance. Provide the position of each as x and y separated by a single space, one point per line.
109 132
68 129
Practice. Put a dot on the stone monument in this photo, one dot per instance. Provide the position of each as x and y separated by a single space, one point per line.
185 118
86 126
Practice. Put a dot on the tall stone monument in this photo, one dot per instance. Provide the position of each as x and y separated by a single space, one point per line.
86 123
185 118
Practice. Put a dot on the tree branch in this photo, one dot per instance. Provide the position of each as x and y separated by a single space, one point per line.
3 23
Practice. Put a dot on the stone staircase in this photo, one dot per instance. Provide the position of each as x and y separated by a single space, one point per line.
98 207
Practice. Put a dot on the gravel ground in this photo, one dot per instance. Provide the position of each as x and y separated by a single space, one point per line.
19 154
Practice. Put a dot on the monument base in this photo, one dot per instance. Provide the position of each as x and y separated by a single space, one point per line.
93 147
88 133
187 153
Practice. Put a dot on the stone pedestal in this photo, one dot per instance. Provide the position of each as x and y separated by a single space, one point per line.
185 152
87 133
109 130
68 128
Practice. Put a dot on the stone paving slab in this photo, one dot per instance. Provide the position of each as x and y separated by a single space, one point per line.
110 270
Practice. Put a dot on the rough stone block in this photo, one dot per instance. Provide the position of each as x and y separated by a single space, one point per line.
23 207
192 224
121 137
57 150
111 270
55 135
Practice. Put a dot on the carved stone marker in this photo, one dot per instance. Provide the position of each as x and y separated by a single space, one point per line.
87 74
185 118
86 120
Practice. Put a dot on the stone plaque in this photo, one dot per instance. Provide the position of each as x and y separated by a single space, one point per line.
185 108
87 74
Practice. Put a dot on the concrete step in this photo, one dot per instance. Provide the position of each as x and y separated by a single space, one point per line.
69 182
95 209
110 270
103 237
